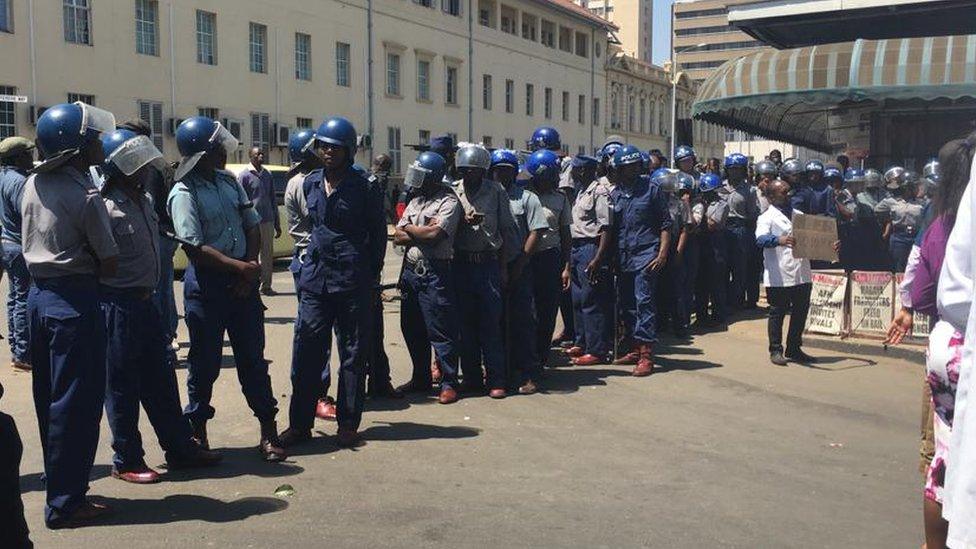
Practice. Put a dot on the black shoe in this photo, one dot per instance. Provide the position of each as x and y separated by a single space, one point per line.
800 357
384 390
193 458
776 357
293 437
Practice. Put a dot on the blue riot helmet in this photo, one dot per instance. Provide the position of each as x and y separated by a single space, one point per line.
545 137
854 175
65 130
709 182
610 149
682 153
198 136
791 170
766 168
686 183
504 157
584 161
814 166
833 176
626 155
300 146
429 167
543 166
340 132
126 152
666 179
736 160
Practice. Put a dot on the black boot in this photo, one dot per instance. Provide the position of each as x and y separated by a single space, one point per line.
270 446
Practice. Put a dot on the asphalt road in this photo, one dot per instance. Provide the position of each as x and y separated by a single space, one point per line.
717 449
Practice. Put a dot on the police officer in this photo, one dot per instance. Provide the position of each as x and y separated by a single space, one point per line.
67 243
902 215
685 159
791 171
765 172
336 282
864 249
520 314
480 271
545 138
816 197
136 351
713 271
550 263
16 161
642 230
845 207
428 311
303 161
673 305
219 227
743 203
591 283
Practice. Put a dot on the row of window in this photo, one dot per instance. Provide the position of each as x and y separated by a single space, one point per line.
722 46
652 117
704 30
700 13
702 64
549 33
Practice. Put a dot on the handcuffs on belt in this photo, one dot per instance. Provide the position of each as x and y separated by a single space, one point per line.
419 267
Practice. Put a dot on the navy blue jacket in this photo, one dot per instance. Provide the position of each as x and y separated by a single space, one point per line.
640 213
348 235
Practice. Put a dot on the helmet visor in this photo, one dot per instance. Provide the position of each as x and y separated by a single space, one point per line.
415 176
95 119
134 154
224 139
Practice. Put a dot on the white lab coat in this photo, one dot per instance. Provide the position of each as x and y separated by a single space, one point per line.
780 268
956 306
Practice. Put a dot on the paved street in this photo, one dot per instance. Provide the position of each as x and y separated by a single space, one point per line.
717 449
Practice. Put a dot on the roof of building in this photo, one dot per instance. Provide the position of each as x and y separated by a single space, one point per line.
570 7
789 95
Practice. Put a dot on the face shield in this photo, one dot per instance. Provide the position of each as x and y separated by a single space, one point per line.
134 154
221 137
415 176
95 119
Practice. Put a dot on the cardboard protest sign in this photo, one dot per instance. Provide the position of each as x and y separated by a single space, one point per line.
872 302
827 311
815 237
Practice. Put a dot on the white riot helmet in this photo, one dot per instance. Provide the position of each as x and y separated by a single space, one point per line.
472 156
894 178
872 178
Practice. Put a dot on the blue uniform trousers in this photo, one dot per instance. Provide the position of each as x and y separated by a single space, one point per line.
67 351
691 258
137 371
211 310
672 300
900 247
377 363
318 314
19 282
428 318
713 277
520 319
593 302
547 268
164 298
741 241
638 305
479 299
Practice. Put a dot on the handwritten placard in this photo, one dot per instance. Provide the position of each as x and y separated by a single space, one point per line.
827 303
815 237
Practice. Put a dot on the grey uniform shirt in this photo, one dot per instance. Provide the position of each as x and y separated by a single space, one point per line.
591 211
905 215
299 226
718 212
492 201
556 208
65 225
135 227
743 200
443 207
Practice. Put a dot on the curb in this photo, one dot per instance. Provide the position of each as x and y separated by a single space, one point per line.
910 353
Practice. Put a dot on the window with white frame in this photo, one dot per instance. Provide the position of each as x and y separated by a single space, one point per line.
451 86
151 112
509 96
258 47
547 102
393 145
423 79
303 56
582 45
423 137
261 131
212 113
486 141
548 34
566 39
147 27
509 143
451 7
342 52
581 108
565 106
6 16
8 114
77 22
86 98
206 38
393 74
529 100
486 92
509 16
595 115
303 123
529 26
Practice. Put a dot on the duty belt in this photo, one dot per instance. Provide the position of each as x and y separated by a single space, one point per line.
475 257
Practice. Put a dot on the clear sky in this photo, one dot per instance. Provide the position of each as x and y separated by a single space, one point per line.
661 35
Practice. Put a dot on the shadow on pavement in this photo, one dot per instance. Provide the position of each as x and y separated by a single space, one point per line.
664 364
824 362
185 507
238 462
33 482
408 430
569 380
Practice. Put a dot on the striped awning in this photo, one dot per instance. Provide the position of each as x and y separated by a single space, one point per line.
786 94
